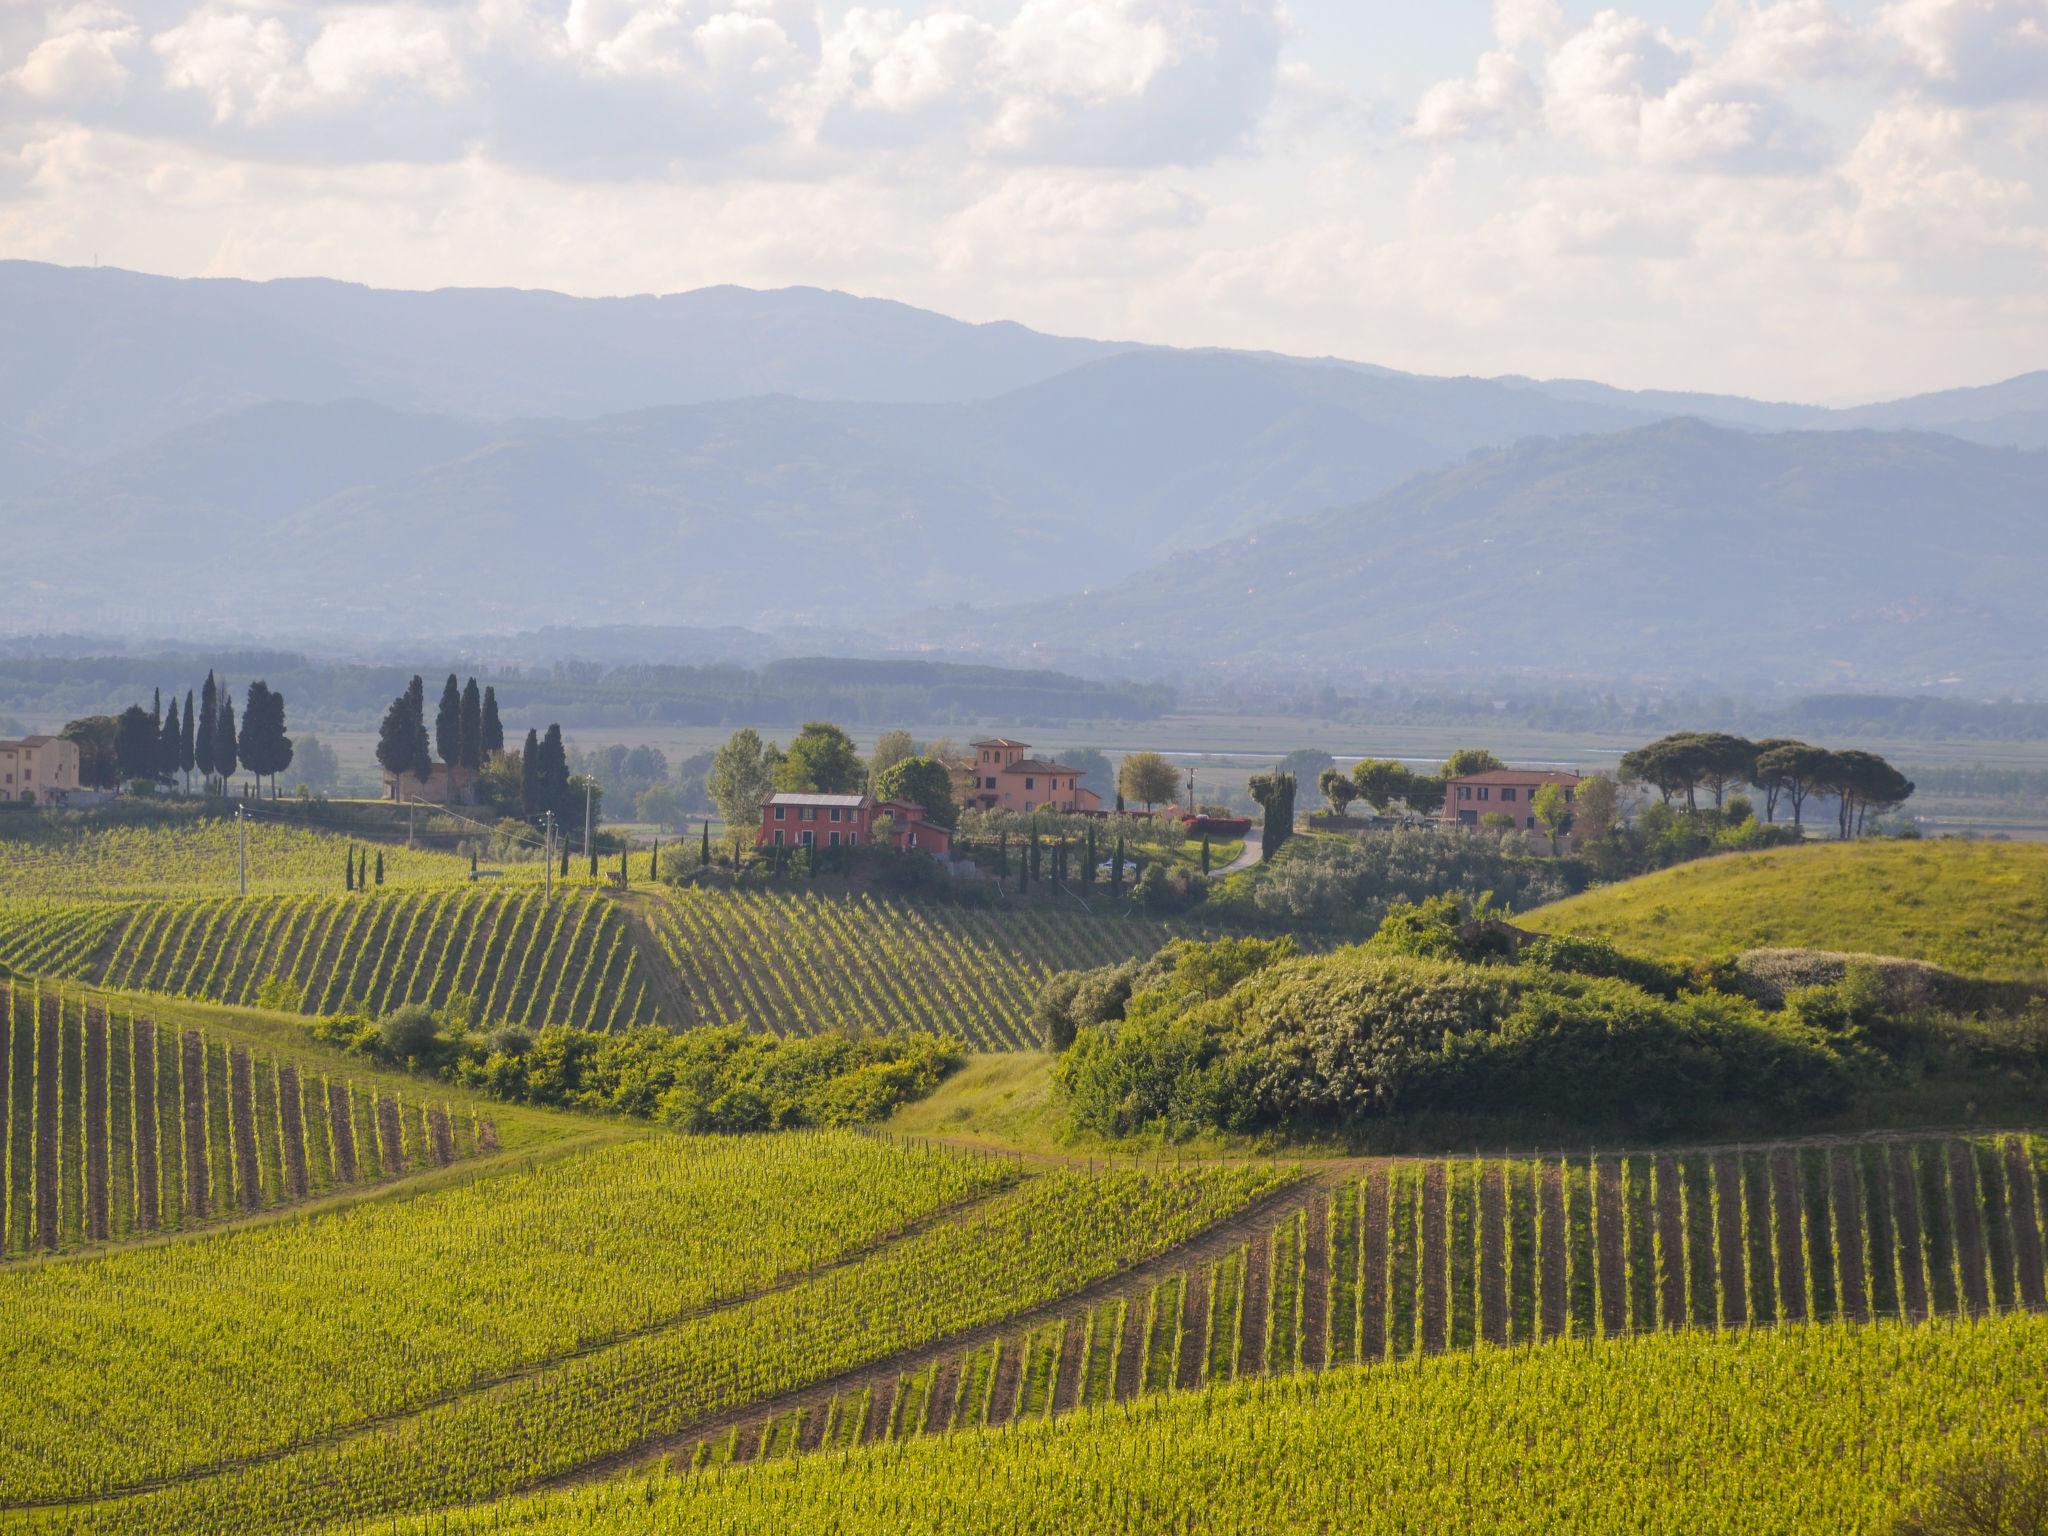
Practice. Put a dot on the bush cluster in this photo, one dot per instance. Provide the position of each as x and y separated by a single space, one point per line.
713 1079
1438 1016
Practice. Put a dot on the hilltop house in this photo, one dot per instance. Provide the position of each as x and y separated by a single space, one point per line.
39 768
1471 797
445 785
848 821
1003 776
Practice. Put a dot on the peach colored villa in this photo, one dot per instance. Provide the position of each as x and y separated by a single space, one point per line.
1470 799
39 768
1001 775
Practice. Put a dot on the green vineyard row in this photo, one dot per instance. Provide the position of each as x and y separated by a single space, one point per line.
1427 1257
112 1128
524 959
785 963
800 963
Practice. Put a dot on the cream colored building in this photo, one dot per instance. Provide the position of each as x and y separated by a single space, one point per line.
39 768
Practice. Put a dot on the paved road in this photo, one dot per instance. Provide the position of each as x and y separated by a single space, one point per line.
1254 850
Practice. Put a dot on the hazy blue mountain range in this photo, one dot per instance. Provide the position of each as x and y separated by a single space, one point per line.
1681 548
312 457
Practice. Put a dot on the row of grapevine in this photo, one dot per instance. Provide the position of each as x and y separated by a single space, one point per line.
1423 1257
524 959
1807 1430
798 962
111 1127
207 855
1054 1234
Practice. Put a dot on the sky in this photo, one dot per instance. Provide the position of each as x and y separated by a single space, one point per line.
1790 199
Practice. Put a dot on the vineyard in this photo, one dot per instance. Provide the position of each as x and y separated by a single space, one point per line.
1050 1236
524 959
112 1128
1804 1429
801 963
526 1266
202 856
1417 1258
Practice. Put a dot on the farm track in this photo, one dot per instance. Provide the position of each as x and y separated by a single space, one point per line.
1136 1280
954 1212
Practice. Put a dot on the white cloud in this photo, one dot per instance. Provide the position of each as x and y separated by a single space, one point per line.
1519 23
1974 50
1499 101
247 66
363 48
85 58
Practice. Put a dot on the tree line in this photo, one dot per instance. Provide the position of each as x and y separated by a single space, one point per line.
158 746
1786 772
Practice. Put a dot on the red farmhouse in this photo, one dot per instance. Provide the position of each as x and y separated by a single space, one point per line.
847 821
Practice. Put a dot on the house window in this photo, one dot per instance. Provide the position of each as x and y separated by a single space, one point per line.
1484 792
782 813
835 813
1464 791
910 841
1567 797
1030 783
808 837
778 837
810 813
988 783
835 839
1468 818
1507 792
1532 823
852 838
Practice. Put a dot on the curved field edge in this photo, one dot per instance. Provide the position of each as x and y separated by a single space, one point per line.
1976 907
497 1280
1809 1429
1057 1233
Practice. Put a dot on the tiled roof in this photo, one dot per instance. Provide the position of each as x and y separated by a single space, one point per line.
842 801
1039 765
1517 776
999 741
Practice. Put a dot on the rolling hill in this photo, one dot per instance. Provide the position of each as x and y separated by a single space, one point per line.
1980 908
1797 557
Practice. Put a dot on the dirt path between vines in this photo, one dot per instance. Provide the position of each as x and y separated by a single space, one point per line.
671 999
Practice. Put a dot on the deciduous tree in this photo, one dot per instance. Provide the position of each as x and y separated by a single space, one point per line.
1147 778
742 776
822 761
922 781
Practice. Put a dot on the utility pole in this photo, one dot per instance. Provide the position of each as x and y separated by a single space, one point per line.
242 837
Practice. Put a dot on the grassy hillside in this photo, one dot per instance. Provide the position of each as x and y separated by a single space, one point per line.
1805 1429
1980 908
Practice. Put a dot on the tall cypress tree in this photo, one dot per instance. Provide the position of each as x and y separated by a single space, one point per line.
529 782
209 722
494 732
188 745
225 743
348 869
167 747
448 723
472 727
551 777
156 711
704 853
380 866
256 752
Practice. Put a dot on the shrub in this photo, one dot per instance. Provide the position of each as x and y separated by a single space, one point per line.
408 1033
1987 1493
1596 957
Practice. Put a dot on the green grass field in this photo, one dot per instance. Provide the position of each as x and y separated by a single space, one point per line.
1976 907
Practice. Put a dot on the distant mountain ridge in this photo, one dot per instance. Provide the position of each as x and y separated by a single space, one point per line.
1682 549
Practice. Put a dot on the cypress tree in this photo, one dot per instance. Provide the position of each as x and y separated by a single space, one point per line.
448 723
623 875
380 866
529 784
472 727
493 732
363 870
209 721
704 853
654 860
1205 856
167 747
472 861
225 743
565 857
156 712
188 745
348 869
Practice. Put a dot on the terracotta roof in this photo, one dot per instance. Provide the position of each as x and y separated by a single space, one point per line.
999 741
1516 776
29 741
785 797
1039 765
